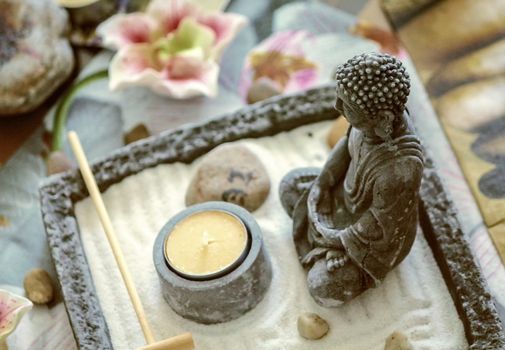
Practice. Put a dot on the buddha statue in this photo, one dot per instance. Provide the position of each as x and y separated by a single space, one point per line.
355 219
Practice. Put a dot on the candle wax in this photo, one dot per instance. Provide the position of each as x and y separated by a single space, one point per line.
206 243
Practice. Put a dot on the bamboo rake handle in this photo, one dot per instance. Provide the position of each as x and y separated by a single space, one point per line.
181 342
95 195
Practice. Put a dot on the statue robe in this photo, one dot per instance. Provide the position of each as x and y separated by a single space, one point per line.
375 204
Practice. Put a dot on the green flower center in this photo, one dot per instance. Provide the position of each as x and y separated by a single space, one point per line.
190 39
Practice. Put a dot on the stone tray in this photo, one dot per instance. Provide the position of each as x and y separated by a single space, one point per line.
438 219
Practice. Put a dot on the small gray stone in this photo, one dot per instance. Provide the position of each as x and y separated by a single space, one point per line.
398 341
138 132
230 173
262 89
58 162
311 326
92 14
35 57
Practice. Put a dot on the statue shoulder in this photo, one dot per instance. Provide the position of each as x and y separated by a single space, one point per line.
398 183
402 172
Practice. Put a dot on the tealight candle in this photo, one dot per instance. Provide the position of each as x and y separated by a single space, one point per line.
211 262
206 245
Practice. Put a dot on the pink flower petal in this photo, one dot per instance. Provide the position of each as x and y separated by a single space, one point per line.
169 13
129 63
185 68
12 309
159 51
188 77
179 77
225 27
246 81
122 30
288 44
301 80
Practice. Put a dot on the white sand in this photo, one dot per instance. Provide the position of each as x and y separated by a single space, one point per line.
412 299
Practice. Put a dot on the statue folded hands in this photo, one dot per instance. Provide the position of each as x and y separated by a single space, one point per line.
355 219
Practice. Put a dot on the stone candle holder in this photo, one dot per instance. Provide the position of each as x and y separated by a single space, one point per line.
220 299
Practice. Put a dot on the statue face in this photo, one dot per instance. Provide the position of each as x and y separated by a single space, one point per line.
357 118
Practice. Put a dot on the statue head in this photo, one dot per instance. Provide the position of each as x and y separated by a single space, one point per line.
372 90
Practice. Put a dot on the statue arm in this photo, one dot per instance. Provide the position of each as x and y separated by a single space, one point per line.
336 165
366 227
393 195
332 172
390 195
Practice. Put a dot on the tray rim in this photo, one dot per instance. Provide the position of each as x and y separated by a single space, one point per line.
59 193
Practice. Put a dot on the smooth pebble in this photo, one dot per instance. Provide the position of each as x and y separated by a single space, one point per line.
398 341
312 326
38 286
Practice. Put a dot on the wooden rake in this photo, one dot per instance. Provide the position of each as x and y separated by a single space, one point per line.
180 342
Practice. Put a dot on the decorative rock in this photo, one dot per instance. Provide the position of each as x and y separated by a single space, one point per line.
58 162
311 326
38 286
230 173
139 132
397 341
34 57
90 13
4 222
262 89
337 130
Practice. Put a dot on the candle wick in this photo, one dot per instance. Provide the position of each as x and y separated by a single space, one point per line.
205 239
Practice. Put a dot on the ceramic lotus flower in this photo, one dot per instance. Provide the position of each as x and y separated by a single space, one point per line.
174 47
12 309
281 59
